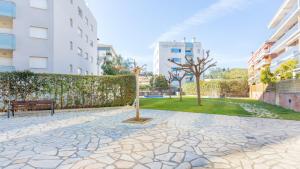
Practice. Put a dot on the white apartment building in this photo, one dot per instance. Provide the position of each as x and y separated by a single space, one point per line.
105 51
286 27
176 51
48 36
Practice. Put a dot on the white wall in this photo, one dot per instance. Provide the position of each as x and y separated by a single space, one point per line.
56 48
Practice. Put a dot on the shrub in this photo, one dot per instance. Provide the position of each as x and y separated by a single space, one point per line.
285 70
159 83
267 77
69 91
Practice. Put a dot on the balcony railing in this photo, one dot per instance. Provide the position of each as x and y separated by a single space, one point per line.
7 41
291 13
263 63
7 8
291 53
285 37
7 68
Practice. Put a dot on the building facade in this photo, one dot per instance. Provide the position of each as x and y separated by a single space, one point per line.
283 45
286 27
48 36
105 51
258 61
176 51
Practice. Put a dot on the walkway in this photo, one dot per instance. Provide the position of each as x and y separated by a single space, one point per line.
99 139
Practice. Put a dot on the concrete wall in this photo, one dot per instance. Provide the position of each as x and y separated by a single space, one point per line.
285 94
64 33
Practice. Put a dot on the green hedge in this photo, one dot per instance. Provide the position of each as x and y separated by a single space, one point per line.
69 91
217 88
207 89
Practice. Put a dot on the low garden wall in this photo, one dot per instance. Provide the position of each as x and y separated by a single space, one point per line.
285 93
68 91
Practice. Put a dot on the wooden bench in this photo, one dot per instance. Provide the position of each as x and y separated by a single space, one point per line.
31 106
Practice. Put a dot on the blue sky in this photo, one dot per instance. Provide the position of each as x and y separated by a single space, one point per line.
231 29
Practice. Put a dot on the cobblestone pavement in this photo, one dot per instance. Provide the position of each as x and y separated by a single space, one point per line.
95 140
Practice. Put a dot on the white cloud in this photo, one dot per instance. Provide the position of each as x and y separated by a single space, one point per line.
218 9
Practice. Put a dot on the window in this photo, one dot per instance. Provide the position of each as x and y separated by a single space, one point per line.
79 52
41 4
92 28
92 59
86 56
177 60
79 30
38 62
175 50
37 32
71 68
71 22
189 52
174 69
80 12
86 39
86 21
92 43
71 45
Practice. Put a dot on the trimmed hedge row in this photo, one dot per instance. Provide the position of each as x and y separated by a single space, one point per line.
218 88
69 91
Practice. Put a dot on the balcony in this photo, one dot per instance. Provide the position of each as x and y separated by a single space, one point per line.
291 53
263 63
189 45
7 9
188 53
283 40
291 14
7 68
7 41
176 60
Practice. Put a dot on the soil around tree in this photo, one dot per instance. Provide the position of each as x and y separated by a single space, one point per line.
138 121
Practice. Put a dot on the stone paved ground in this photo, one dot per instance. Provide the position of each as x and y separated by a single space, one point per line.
95 140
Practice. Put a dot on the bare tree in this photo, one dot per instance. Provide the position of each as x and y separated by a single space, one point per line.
177 76
197 67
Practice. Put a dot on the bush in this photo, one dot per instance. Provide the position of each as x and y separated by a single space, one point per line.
69 91
285 70
267 77
159 83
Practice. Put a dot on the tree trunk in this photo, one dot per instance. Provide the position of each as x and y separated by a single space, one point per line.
170 91
198 89
180 90
137 98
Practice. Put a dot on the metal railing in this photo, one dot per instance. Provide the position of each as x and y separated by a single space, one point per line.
287 17
285 37
291 53
7 41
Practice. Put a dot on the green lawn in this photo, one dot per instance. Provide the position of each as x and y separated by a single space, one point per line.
229 107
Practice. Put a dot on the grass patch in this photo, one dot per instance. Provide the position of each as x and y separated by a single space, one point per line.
228 107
